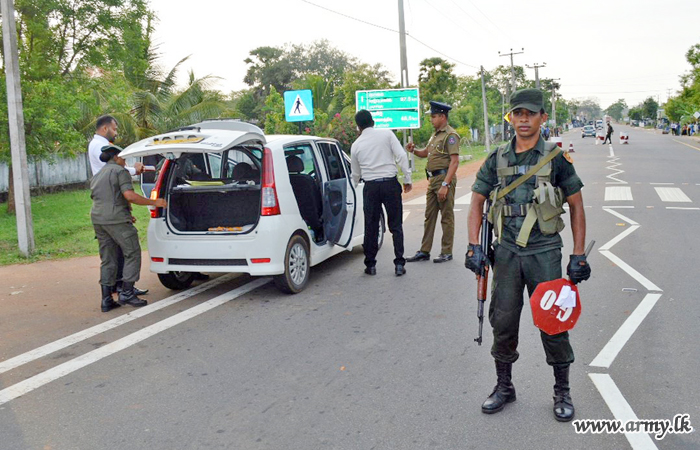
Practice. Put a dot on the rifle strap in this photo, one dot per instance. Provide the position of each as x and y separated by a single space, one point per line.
502 192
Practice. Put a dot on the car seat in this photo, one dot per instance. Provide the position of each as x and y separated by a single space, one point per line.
307 193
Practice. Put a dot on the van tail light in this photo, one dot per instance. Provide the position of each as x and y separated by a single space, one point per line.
270 204
156 192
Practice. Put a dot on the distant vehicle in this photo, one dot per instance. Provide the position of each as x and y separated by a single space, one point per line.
599 124
588 130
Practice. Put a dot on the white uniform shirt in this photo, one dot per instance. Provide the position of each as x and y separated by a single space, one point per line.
94 152
375 154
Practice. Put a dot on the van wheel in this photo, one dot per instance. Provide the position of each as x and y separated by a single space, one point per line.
176 280
296 267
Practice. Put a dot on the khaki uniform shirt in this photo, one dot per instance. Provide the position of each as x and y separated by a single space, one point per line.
563 175
109 206
443 143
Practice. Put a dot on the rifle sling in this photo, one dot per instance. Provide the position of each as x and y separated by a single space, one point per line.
502 192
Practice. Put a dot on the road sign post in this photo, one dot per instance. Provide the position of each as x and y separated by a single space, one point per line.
299 106
394 109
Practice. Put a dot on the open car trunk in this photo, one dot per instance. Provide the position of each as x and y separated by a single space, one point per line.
229 208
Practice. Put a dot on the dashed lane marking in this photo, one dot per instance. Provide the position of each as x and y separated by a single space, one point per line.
672 195
618 193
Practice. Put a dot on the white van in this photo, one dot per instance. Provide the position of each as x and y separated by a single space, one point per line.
239 201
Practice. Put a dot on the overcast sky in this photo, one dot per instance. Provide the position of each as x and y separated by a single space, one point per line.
604 49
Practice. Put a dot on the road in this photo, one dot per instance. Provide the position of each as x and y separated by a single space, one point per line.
358 362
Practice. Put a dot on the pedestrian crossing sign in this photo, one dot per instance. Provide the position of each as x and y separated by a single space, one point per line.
298 105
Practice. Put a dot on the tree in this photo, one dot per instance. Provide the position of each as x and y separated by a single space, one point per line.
615 110
363 77
268 67
649 108
436 80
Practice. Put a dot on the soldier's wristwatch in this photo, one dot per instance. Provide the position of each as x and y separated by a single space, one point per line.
444 183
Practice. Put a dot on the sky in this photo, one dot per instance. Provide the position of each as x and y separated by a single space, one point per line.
605 50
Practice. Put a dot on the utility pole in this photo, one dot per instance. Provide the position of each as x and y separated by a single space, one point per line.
486 115
512 68
20 173
537 72
404 71
554 101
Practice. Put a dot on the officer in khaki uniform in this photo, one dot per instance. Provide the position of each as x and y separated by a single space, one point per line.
111 193
527 180
442 152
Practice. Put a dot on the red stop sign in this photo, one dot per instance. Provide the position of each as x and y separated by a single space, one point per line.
549 317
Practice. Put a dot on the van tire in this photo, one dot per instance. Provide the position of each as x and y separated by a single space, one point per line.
296 267
176 280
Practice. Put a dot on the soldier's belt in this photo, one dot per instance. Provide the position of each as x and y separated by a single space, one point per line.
435 173
516 209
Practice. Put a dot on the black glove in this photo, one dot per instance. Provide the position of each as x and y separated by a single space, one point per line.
477 260
578 269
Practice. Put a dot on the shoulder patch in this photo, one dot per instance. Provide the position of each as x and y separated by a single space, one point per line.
568 157
452 140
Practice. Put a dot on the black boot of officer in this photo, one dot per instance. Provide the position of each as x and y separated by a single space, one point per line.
118 288
503 393
108 302
563 406
127 296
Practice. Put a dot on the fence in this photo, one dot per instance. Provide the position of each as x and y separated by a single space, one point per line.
44 174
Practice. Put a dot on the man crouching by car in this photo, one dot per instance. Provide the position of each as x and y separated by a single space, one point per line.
112 193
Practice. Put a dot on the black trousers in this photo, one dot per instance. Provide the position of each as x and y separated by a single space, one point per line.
376 194
608 138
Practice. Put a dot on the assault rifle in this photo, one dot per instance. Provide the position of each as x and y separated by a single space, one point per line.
483 276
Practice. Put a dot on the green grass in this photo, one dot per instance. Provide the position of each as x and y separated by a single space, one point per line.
478 152
62 228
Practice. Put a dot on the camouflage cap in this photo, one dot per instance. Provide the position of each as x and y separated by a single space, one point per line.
530 99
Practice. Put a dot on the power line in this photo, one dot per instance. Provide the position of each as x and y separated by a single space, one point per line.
487 18
389 29
350 17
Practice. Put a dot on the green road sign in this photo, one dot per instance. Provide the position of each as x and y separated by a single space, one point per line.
391 108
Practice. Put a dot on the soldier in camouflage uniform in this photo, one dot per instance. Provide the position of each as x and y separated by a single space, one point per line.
527 222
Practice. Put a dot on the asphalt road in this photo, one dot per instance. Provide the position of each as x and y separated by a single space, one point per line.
358 362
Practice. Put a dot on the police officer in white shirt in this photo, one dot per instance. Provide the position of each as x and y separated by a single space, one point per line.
105 132
374 156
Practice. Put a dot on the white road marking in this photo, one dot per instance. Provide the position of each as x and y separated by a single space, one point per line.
686 209
464 200
35 382
621 410
644 281
108 325
608 245
691 146
618 193
405 215
416 201
667 184
617 214
672 195
612 152
612 348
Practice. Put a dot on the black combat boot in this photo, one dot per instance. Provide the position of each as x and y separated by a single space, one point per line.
503 393
108 303
118 288
563 406
127 296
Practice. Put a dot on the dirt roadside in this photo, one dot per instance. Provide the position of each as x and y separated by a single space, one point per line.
48 300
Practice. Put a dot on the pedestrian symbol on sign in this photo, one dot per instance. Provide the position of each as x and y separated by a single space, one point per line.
299 108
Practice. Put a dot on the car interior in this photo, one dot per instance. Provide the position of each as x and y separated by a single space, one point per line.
207 195
306 186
